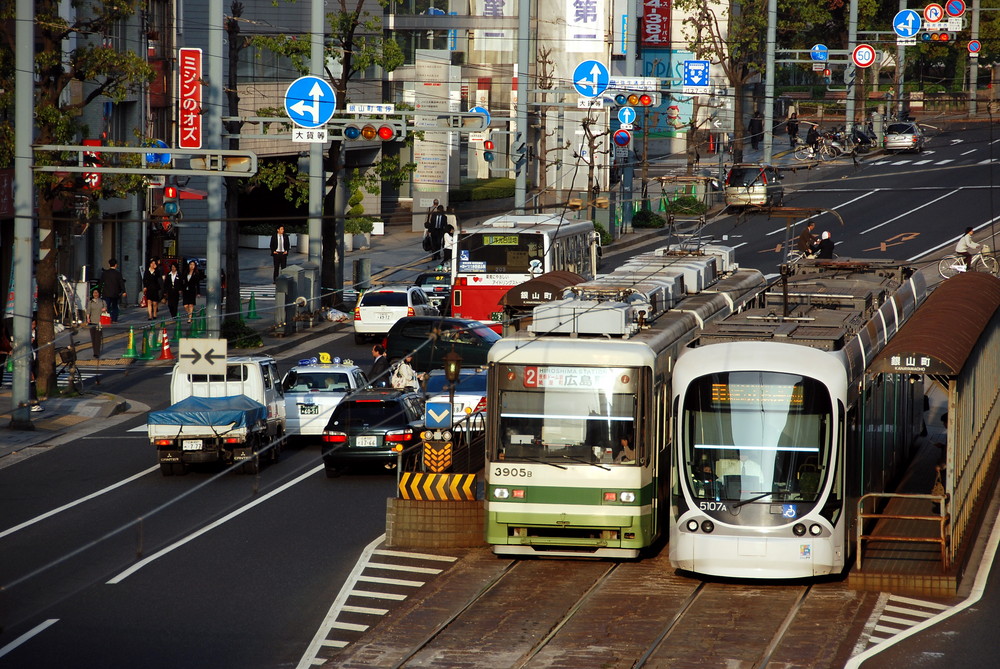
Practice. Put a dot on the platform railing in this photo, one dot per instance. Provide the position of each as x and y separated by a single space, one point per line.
942 519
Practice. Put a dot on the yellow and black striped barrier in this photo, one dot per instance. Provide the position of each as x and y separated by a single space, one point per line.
437 487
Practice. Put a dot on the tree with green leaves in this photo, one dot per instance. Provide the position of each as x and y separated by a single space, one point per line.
70 51
357 43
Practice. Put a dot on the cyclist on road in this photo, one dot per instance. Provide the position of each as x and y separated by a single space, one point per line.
812 139
966 247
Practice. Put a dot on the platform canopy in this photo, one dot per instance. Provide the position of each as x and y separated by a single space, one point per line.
939 337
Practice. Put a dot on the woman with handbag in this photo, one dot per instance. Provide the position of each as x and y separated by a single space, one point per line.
152 285
96 308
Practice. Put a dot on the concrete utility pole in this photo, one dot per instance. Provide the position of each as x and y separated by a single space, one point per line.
973 62
316 172
524 59
772 30
852 41
212 137
24 188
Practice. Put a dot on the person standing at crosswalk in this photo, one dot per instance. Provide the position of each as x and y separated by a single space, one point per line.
279 250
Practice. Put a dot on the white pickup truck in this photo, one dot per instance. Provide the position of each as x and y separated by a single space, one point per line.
231 418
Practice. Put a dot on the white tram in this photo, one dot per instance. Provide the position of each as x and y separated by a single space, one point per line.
577 437
779 430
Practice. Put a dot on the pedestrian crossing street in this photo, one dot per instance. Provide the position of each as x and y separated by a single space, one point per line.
62 379
894 615
260 292
383 580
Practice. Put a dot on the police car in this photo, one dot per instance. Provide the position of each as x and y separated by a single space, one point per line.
313 388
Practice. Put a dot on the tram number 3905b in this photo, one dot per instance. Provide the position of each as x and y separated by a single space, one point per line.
512 471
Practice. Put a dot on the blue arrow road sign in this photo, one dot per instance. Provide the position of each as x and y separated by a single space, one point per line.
437 414
484 111
310 102
696 74
906 23
626 115
819 52
591 78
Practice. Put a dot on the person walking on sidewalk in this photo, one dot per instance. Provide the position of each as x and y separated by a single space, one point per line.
192 288
792 127
756 130
113 288
173 285
95 307
152 289
380 367
279 250
437 225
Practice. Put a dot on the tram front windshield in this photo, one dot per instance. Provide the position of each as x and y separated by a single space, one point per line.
501 253
560 414
760 436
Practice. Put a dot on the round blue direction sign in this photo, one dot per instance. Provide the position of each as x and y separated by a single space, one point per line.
591 78
906 23
819 52
310 102
162 158
626 115
484 111
622 137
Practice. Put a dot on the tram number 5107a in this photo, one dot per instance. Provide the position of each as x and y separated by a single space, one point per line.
712 506
512 471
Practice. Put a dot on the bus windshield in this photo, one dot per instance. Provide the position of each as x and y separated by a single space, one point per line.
501 253
567 414
756 436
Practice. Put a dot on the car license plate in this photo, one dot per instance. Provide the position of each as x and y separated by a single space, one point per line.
367 442
192 444
383 315
308 409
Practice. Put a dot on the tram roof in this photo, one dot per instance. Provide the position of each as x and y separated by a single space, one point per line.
941 334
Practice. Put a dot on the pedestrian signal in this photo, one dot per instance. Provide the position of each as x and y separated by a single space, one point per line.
171 201
488 148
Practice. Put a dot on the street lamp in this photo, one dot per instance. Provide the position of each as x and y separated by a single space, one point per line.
452 369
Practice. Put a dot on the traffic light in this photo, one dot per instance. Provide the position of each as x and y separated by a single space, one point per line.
488 148
375 131
938 36
637 98
171 200
518 149
826 76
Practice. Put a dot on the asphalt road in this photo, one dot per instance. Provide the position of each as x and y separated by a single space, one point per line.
108 582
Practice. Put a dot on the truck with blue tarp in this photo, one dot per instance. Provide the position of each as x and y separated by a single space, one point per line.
232 418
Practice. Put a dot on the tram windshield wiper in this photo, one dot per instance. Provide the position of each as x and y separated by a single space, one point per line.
757 496
584 462
540 460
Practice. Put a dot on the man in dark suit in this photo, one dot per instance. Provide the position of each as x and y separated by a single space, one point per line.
112 288
378 375
279 250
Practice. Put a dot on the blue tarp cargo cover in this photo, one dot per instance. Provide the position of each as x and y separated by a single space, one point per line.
238 409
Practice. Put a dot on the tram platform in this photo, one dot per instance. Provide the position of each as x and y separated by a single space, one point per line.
903 553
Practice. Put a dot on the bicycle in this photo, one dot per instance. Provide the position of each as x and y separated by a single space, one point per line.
954 263
823 151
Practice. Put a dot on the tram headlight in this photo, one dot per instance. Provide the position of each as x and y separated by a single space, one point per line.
815 530
799 530
628 497
501 493
707 526
692 525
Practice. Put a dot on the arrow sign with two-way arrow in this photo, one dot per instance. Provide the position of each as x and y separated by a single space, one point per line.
202 356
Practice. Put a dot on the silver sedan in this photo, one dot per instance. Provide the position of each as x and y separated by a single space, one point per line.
904 137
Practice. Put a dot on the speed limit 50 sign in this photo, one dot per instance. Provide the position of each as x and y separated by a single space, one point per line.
863 55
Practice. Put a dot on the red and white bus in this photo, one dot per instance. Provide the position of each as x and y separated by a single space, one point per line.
505 251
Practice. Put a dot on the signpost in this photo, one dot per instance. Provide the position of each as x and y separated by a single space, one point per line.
622 137
955 8
819 52
437 415
189 119
626 115
906 23
310 102
974 48
863 55
202 356
591 78
696 78
933 13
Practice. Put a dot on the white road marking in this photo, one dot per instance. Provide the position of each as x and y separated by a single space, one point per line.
27 635
208 528
70 505
907 213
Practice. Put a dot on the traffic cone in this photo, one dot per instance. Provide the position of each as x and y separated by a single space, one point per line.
148 344
663 203
199 324
177 329
252 308
10 362
130 351
711 143
165 352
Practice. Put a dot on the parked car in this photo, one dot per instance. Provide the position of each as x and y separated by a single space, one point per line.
754 185
469 338
380 307
369 426
313 389
437 287
904 136
470 396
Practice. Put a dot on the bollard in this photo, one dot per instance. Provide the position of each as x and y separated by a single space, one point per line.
362 274
130 351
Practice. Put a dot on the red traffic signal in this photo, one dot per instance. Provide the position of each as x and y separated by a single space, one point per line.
171 201
488 147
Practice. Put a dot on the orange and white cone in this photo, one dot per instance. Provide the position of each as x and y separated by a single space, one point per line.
165 352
